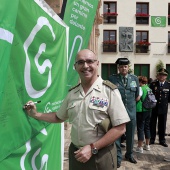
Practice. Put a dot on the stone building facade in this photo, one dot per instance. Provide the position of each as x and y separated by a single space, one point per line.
56 5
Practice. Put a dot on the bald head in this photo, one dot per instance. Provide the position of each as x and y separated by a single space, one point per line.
86 53
86 65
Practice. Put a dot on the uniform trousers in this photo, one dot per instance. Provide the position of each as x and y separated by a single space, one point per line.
161 125
130 131
104 159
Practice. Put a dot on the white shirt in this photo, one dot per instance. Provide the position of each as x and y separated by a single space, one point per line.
140 91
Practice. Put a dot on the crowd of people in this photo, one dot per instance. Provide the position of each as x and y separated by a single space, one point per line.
102 111
146 120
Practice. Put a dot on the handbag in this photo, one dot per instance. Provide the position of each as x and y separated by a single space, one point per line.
150 100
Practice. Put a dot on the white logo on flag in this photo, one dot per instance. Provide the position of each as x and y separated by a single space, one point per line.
44 159
158 20
6 35
42 21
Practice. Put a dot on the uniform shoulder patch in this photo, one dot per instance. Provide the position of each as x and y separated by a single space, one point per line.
74 87
109 84
133 75
114 75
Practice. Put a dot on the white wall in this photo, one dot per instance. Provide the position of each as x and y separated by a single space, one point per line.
158 36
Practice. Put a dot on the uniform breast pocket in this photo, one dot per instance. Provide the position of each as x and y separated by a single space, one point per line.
72 112
133 89
97 113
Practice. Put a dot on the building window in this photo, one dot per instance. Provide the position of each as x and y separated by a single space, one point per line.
109 41
142 13
110 12
169 14
142 42
168 69
142 70
107 70
168 46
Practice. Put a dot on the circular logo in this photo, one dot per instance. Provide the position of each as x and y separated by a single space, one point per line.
158 20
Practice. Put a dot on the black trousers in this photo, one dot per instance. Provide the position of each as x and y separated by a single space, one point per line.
143 125
161 126
106 158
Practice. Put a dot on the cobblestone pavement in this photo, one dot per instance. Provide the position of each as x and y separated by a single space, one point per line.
149 160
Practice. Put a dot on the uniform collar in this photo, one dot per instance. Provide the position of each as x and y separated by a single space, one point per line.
78 88
161 82
123 76
97 85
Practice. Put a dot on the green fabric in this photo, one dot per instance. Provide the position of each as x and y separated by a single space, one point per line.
7 27
40 152
139 107
32 70
79 16
158 21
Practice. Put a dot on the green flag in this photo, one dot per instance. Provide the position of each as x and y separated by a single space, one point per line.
37 58
37 153
158 21
79 16
7 25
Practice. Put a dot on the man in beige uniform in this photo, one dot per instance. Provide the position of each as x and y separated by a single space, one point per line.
86 105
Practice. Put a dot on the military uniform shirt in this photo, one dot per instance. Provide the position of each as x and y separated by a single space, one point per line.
85 111
162 95
129 93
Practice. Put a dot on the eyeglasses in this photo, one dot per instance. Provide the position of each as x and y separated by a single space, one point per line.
82 62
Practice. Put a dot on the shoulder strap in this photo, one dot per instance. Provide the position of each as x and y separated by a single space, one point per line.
74 87
109 84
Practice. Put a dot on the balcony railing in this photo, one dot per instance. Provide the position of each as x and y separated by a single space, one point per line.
142 15
109 14
142 47
110 42
109 46
143 43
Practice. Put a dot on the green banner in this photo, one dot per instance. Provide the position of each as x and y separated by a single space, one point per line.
158 21
33 73
7 26
38 153
79 16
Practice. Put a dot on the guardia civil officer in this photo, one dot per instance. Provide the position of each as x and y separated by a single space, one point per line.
86 105
161 89
128 86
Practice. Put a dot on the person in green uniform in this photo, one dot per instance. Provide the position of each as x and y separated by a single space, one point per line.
128 86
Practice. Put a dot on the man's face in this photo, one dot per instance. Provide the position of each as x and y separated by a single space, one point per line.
161 77
123 69
87 65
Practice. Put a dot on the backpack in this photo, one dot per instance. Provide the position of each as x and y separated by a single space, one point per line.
150 101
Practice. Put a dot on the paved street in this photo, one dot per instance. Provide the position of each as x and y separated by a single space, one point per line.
149 160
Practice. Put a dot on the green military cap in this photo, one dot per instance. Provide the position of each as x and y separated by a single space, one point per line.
122 61
163 71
